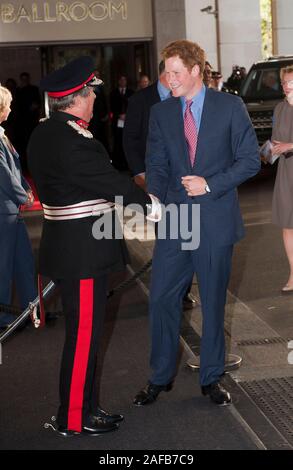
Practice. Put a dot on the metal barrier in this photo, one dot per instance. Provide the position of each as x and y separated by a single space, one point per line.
232 362
31 310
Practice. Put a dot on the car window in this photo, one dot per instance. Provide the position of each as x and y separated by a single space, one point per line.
262 84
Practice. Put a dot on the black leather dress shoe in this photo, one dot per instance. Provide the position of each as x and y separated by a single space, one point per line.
94 427
217 393
107 417
150 393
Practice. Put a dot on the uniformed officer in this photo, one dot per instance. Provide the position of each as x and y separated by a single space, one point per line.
77 184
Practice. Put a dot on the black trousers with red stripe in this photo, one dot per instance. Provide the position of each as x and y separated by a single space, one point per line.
84 303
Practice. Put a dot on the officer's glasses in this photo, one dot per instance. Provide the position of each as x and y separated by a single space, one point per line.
287 82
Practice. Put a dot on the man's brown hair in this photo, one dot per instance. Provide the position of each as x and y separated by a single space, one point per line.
189 52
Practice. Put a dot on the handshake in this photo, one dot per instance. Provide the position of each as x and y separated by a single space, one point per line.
155 209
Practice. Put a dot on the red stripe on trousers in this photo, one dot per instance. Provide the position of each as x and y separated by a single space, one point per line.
86 303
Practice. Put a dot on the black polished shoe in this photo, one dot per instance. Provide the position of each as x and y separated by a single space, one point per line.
150 393
189 301
217 393
107 417
94 427
63 431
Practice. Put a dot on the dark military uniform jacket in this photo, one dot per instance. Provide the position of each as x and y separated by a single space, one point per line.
69 168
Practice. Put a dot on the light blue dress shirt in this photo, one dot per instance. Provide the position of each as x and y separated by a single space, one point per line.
196 107
164 92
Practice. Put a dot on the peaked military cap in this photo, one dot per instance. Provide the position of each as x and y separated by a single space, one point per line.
72 77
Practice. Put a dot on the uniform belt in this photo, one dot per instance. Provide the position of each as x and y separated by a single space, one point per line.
78 211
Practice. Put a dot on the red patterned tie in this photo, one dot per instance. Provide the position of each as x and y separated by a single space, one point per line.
190 131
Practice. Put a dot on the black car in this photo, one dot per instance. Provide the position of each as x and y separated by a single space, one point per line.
262 91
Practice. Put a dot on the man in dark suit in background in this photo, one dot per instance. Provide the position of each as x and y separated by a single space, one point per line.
201 146
118 106
137 123
28 107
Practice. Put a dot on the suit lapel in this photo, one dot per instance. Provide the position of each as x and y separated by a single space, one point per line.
178 130
205 125
155 97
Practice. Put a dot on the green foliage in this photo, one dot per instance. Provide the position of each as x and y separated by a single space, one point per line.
266 28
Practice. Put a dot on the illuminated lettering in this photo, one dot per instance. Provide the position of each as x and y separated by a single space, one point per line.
62 11
75 6
116 9
93 11
47 16
35 14
8 13
23 14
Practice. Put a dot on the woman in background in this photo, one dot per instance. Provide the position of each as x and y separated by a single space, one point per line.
282 139
16 258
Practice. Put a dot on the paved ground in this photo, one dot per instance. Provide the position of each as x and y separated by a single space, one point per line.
259 318
258 327
181 419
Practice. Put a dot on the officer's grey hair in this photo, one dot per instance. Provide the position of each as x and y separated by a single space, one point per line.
60 104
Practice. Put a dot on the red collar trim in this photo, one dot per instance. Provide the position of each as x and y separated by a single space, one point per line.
82 123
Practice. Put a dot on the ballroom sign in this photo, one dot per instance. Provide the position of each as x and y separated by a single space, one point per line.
50 21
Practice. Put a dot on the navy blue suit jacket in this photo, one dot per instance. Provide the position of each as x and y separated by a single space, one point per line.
227 155
136 126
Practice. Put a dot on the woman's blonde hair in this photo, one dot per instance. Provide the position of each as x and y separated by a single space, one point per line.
5 99
284 70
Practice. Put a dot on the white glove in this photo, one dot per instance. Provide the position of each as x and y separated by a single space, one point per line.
156 209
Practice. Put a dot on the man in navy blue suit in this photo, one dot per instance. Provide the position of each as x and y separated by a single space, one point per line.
135 136
201 146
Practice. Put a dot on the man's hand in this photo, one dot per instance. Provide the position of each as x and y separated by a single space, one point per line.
281 147
140 181
194 185
30 199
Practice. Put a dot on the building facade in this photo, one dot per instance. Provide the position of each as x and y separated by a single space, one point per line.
126 36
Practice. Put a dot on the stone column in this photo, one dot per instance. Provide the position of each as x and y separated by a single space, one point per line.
168 23
201 28
240 33
239 40
282 11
